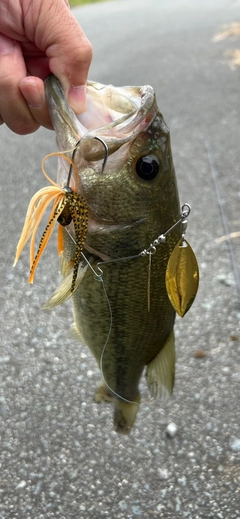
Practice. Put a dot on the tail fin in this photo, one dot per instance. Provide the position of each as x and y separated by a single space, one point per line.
125 414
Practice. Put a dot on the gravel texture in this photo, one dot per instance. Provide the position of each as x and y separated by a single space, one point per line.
59 456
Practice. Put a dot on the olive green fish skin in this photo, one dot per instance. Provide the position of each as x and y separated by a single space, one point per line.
126 215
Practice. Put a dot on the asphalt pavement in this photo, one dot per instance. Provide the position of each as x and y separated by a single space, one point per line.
59 455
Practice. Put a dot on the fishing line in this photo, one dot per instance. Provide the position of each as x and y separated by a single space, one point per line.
152 249
105 345
149 281
224 220
99 277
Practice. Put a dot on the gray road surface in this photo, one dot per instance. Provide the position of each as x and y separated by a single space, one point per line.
59 455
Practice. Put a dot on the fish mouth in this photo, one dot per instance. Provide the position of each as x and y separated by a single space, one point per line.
115 114
101 228
107 226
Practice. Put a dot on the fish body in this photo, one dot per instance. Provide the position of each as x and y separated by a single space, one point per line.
121 307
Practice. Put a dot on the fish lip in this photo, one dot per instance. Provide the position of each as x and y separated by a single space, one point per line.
102 226
96 253
137 109
95 228
124 126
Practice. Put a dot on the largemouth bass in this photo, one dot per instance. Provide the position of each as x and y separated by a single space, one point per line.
121 168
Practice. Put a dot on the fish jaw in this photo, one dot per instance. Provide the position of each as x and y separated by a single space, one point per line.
66 125
115 114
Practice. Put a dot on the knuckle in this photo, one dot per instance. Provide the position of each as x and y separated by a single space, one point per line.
22 126
83 53
88 48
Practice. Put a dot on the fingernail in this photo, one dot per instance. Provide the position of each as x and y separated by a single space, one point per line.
77 98
31 92
6 44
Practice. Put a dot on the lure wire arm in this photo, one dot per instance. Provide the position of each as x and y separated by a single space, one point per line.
152 249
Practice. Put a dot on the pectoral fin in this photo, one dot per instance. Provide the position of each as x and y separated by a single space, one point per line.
160 371
64 291
75 334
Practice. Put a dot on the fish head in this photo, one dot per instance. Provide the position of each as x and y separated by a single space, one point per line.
122 156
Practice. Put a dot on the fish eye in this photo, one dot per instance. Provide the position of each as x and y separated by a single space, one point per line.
147 167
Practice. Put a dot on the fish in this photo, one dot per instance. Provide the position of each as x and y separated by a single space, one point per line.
115 161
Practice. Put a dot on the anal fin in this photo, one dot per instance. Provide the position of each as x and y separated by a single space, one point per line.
103 394
161 370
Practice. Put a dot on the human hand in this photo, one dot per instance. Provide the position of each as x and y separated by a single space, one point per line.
38 37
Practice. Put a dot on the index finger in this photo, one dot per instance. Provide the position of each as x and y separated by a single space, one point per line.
59 35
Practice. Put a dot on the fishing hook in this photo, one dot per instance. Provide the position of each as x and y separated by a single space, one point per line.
106 150
70 169
73 155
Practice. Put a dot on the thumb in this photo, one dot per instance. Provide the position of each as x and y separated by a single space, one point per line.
59 35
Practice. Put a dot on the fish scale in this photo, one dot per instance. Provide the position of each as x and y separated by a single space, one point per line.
135 332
